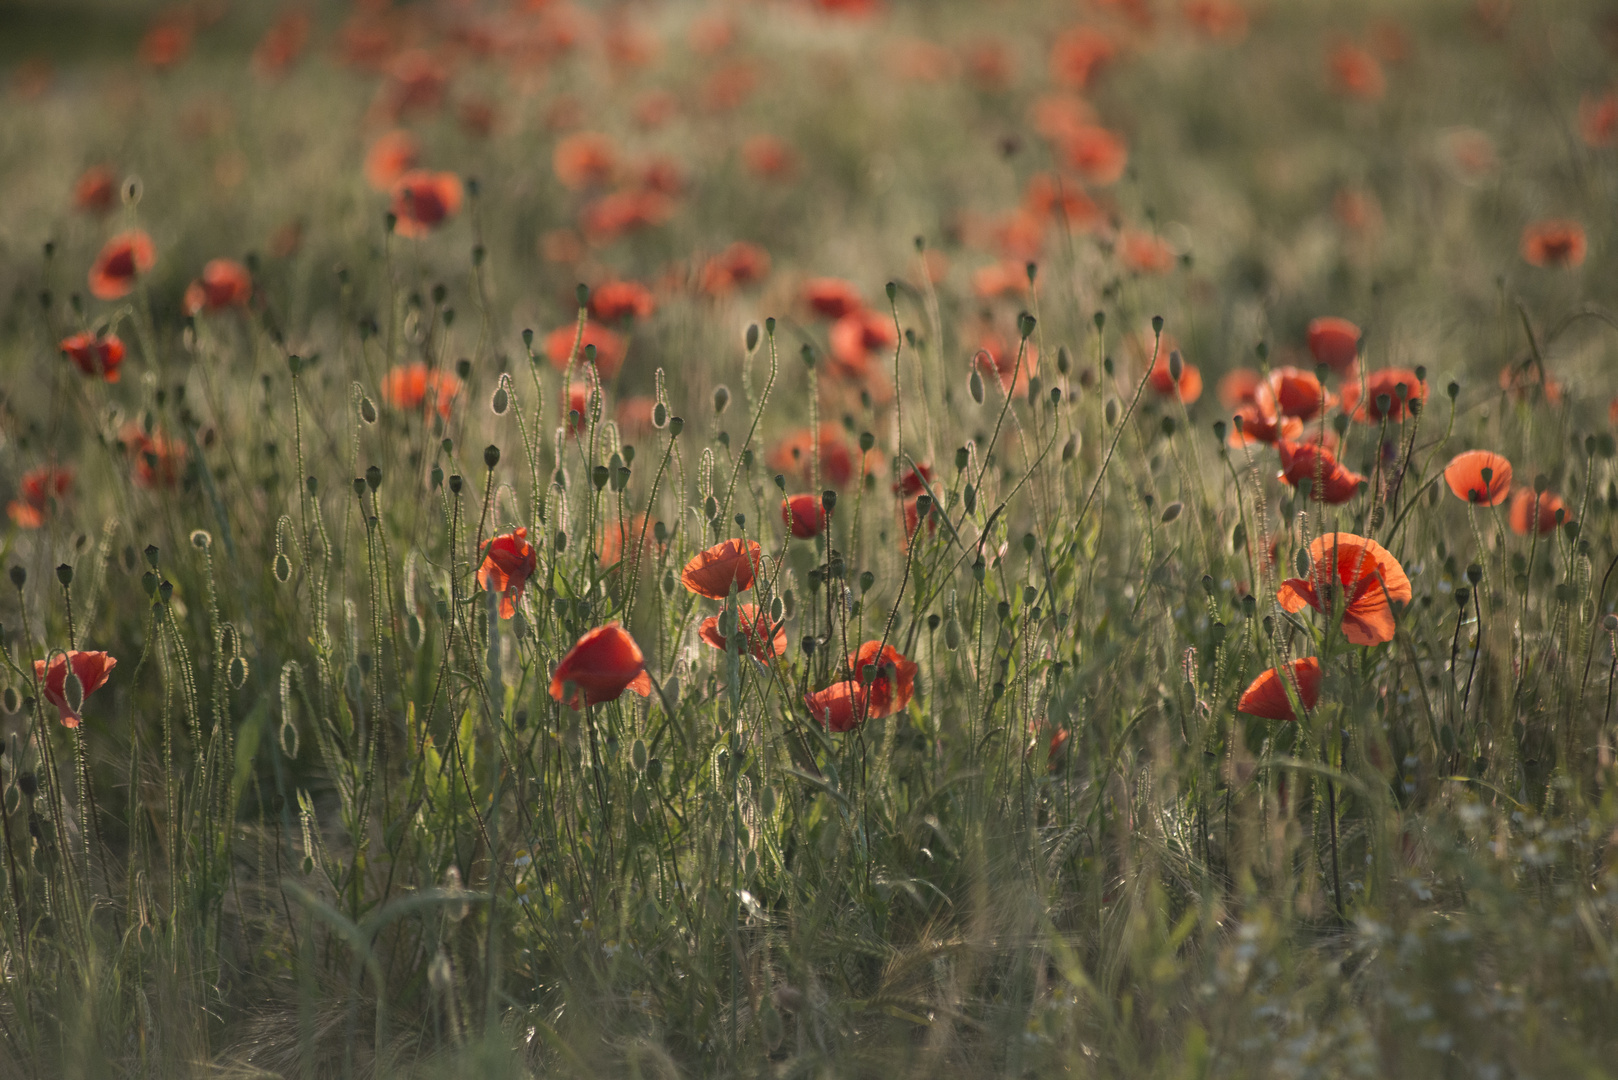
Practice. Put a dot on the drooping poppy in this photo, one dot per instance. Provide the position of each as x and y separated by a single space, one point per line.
1095 153
584 159
764 639
224 283
95 355
1299 393
711 573
1331 481
1391 393
125 257
413 386
1144 252
1554 243
610 347
1266 697
1525 518
157 458
1360 572
842 706
95 190
423 200
804 515
92 668
1334 342
893 681
509 560
1356 73
1465 475
36 490
1079 54
832 297
614 300
393 154
601 665
1188 388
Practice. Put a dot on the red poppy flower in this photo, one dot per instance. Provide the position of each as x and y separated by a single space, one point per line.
1334 342
1384 384
393 154
1356 73
1520 383
769 157
842 706
585 159
711 573
893 682
1003 278
636 414
853 337
1298 393
738 265
804 515
1048 197
1217 19
1465 477
613 215
408 386
1262 424
793 454
1554 243
1266 696
416 84
1332 481
509 560
914 481
167 42
36 489
224 283
1360 572
281 45
1057 116
1188 389
610 348
602 665
423 200
95 355
832 297
124 257
764 640
578 407
1524 518
614 300
95 190
1096 154
1078 54
158 459
617 537
1239 386
1356 211
93 670
1057 747
1598 119
1144 253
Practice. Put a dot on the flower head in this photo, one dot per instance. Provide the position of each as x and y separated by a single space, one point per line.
414 386
1362 574
36 490
92 668
1334 342
842 706
601 665
224 283
1333 482
1479 476
423 200
804 515
711 573
1536 513
1389 394
764 639
96 355
509 560
1266 696
893 680
1554 243
124 258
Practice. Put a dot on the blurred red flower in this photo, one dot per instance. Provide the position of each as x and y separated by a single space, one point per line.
224 283
1095 153
125 257
1355 72
393 154
423 200
1554 243
764 640
1332 482
95 190
890 687
408 386
841 707
37 489
1386 383
1536 513
601 665
804 515
509 560
1334 342
1479 476
1079 54
95 354
614 300
832 297
1266 697
585 159
610 348
93 669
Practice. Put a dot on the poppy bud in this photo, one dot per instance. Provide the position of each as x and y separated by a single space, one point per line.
1176 365
1106 365
590 353
974 385
1064 362
867 440
1100 319
1025 321
924 505
599 476
1474 573
455 483
373 477
1172 511
752 336
437 476
1157 324
64 574
892 291
165 589
19 576
1453 390
867 579
1610 622
962 455
1070 448
721 399
828 501
969 499
676 425
952 634
808 354
582 293
1111 411
491 456
501 401
528 339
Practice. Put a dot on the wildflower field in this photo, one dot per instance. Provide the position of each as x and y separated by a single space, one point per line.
808 538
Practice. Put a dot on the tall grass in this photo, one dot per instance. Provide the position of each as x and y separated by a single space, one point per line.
327 819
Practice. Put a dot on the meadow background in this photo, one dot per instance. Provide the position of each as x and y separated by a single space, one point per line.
992 282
